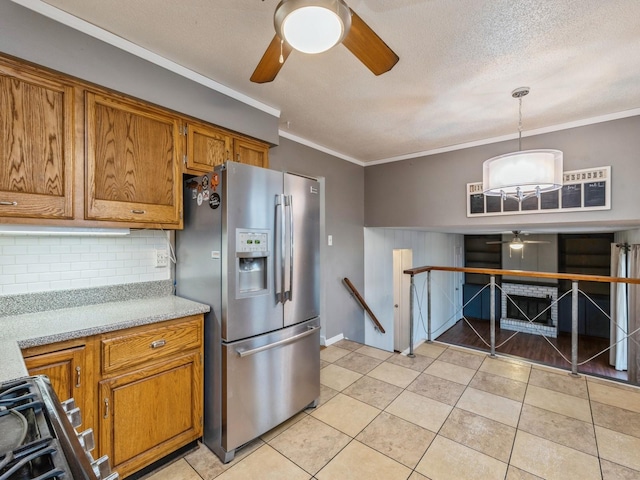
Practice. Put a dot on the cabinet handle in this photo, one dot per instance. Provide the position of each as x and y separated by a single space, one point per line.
78 370
238 157
12 204
158 343
138 212
106 407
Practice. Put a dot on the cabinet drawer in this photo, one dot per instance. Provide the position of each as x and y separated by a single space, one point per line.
151 343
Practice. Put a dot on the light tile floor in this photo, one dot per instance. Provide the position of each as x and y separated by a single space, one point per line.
447 414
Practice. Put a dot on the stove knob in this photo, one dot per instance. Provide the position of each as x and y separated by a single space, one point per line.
74 417
68 404
87 440
101 467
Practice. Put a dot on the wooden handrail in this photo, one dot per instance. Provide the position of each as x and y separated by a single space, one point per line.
363 304
523 273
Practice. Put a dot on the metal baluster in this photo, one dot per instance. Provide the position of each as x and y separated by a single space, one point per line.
492 289
429 306
574 328
411 293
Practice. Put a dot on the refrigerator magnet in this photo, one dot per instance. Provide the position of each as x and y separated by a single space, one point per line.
214 200
199 199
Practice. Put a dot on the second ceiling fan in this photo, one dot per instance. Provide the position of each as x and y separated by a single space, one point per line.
300 23
516 243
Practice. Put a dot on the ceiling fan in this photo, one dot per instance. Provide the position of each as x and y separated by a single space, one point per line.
297 23
516 243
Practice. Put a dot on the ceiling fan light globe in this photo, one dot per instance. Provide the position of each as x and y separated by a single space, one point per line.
312 26
516 246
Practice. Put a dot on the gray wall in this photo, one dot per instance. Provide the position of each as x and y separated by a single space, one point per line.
429 192
33 37
344 217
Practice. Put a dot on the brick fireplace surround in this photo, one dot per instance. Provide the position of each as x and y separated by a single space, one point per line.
536 291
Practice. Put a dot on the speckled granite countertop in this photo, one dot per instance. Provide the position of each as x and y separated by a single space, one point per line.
43 327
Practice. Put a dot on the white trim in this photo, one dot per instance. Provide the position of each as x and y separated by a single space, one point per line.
315 146
85 27
416 344
539 131
332 340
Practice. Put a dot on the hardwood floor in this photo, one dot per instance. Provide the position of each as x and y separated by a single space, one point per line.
536 348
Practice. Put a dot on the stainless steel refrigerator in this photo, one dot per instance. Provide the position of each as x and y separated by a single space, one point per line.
250 249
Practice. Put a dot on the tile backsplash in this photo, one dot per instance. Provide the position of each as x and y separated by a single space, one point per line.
43 263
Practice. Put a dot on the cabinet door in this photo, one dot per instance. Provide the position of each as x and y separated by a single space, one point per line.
150 412
251 153
206 147
36 145
66 370
133 169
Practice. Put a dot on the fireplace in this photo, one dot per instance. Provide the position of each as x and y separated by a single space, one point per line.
536 309
532 299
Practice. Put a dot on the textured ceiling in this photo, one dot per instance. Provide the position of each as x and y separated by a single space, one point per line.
459 61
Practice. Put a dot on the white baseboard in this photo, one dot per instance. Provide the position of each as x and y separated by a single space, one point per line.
415 345
326 342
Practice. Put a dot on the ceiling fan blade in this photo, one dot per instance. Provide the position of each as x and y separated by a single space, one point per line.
368 47
497 242
536 241
269 64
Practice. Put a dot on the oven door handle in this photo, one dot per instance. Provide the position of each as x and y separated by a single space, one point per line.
284 341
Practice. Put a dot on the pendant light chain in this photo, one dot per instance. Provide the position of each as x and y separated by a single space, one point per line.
520 124
519 93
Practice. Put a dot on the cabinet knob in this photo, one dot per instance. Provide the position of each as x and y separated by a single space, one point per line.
158 343
106 407
13 204
78 371
138 212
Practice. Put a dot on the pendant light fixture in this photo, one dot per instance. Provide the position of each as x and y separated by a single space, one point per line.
522 174
312 26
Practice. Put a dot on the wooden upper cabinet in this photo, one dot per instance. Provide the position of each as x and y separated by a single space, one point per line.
207 147
36 144
251 152
133 171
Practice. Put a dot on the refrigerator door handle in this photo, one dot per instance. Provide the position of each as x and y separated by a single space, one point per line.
246 353
280 295
289 203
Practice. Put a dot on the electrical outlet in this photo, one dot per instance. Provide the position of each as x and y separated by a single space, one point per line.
161 258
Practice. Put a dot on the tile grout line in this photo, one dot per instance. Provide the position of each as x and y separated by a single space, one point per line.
436 434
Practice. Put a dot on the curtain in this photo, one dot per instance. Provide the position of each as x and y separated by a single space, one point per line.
634 316
619 312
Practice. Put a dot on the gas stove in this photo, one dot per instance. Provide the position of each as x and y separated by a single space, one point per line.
38 440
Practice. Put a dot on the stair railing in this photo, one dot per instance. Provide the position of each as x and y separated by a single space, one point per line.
378 326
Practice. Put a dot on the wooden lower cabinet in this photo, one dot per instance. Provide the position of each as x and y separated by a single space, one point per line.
150 395
140 389
66 366
149 413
